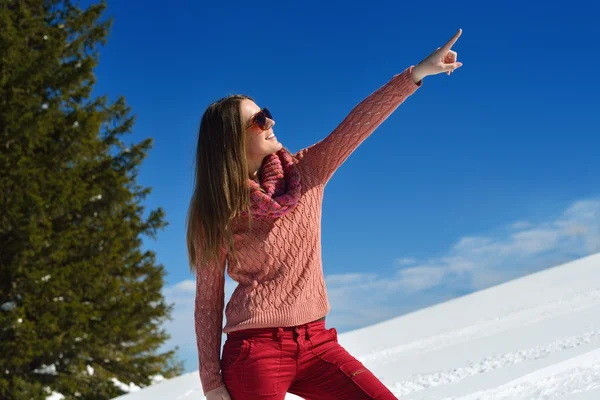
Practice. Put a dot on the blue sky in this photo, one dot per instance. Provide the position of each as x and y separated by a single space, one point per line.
479 177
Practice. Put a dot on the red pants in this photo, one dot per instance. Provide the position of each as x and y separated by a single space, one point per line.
306 360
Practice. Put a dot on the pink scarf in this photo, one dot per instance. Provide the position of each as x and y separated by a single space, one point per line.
279 189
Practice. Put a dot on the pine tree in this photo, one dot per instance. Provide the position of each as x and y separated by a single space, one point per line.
80 301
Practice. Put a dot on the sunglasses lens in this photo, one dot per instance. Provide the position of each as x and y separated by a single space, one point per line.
260 120
267 113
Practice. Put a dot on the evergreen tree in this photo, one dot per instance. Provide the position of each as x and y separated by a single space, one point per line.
80 302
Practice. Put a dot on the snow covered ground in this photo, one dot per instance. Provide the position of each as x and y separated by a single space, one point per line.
537 337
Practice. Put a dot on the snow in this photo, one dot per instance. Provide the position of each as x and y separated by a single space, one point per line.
126 388
536 337
46 369
8 306
55 396
576 375
157 378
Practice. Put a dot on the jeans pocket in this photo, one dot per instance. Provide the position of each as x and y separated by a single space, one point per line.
234 353
325 345
261 369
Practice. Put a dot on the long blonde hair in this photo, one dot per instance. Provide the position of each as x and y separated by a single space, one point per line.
220 188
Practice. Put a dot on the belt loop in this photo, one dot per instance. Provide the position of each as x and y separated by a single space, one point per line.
279 333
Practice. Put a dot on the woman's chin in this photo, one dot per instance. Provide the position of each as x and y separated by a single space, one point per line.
273 148
277 146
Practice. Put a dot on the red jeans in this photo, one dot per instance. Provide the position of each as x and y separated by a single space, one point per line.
306 360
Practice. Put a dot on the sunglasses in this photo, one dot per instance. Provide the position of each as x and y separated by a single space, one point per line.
260 119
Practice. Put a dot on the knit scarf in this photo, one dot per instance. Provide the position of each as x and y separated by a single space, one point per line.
278 189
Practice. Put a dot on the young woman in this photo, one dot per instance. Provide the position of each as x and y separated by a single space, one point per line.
255 214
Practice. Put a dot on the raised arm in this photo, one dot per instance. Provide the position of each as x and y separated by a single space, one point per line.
208 316
324 157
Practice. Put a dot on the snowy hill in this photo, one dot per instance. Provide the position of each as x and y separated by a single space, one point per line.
537 337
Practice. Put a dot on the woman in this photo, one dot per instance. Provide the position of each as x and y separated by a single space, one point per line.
256 212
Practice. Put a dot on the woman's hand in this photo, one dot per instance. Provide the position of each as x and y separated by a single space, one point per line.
441 60
219 393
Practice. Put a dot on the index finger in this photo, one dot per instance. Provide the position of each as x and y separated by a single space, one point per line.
453 40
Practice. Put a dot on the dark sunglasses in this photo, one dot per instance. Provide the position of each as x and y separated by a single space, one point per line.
260 119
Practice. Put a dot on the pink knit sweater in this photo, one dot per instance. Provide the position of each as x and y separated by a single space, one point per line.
280 276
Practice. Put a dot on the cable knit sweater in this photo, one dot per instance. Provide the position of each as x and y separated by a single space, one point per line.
280 277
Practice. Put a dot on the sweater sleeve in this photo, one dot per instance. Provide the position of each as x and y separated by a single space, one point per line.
325 157
208 317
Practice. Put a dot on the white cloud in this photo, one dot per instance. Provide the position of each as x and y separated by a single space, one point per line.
183 287
520 225
472 244
347 279
421 277
406 261
532 241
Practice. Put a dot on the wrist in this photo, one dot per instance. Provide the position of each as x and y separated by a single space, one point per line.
417 73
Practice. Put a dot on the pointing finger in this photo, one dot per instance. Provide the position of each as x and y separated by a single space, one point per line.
453 40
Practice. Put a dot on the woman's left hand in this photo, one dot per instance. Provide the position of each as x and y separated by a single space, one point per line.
441 60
